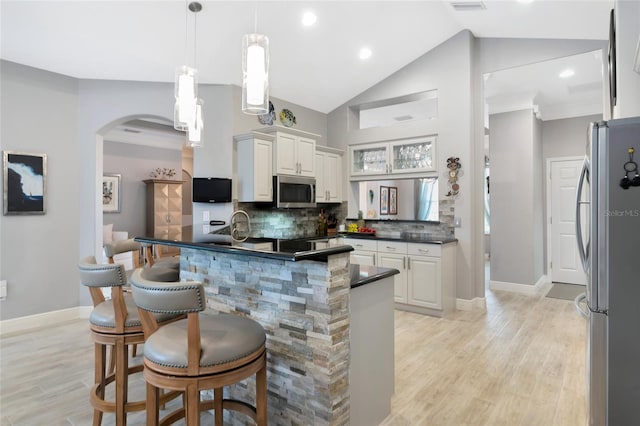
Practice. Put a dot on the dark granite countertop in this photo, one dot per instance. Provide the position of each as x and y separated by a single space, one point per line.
408 239
282 249
365 274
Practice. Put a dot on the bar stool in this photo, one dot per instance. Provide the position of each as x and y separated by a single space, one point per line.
163 262
197 353
166 272
114 322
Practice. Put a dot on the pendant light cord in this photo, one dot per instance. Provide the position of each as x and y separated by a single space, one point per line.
186 31
195 39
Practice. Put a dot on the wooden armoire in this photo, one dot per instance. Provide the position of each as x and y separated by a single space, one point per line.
164 211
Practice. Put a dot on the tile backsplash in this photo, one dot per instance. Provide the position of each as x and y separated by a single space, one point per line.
299 223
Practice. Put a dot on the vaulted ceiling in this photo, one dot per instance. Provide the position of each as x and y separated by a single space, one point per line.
317 67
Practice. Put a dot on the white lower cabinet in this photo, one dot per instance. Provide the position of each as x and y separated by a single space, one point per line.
396 261
427 280
364 251
423 282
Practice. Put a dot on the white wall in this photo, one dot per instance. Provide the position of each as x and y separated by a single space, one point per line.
39 253
135 163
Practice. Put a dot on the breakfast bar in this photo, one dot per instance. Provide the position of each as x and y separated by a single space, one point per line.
329 323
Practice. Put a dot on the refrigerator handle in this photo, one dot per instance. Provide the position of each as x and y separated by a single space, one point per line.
584 174
578 301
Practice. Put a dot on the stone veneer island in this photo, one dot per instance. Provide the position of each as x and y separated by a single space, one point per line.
329 325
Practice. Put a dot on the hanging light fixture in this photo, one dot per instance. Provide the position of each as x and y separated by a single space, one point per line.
255 72
188 107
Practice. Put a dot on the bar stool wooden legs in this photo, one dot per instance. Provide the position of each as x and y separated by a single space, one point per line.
198 353
114 323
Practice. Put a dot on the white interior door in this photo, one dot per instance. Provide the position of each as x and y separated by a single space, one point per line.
565 260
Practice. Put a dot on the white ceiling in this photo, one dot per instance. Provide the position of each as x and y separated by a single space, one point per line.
316 67
539 86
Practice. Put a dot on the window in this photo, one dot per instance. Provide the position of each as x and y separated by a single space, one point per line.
393 111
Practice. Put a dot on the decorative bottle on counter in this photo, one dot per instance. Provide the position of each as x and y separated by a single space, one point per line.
321 230
360 221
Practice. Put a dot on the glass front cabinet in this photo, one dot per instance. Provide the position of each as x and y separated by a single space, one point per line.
406 156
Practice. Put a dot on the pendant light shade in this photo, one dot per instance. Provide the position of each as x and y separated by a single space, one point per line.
187 110
194 132
255 74
186 93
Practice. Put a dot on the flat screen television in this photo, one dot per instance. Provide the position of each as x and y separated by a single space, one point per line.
211 190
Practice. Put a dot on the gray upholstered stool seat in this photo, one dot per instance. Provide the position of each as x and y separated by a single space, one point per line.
104 315
224 338
162 274
167 262
202 352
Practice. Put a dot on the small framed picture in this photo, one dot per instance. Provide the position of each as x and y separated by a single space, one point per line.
25 183
393 200
384 200
111 193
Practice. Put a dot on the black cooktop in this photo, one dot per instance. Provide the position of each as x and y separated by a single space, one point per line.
281 245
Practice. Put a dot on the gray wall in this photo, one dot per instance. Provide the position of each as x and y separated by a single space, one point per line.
38 254
134 163
65 117
566 137
490 55
538 184
516 198
446 68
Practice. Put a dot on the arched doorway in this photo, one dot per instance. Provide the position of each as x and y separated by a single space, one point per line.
132 147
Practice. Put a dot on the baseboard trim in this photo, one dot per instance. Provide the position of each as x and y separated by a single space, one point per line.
531 290
46 319
470 305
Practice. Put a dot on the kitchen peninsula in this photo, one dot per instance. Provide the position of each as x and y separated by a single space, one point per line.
329 324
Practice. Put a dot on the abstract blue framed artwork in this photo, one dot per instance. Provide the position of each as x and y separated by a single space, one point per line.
25 186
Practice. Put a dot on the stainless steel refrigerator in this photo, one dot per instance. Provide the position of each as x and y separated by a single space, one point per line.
608 230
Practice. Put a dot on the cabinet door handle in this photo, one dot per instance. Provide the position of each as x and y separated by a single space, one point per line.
408 263
358 245
423 250
374 259
391 248
404 262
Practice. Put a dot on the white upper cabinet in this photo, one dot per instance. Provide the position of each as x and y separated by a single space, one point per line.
407 156
255 172
328 175
294 151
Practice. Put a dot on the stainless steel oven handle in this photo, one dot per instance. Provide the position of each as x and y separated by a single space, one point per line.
584 174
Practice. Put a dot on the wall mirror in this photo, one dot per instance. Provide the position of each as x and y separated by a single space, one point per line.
399 199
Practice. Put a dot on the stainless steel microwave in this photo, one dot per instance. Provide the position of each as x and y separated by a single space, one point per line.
294 191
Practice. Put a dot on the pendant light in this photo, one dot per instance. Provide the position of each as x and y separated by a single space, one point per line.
255 73
188 107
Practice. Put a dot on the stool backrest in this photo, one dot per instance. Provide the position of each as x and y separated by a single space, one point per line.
123 246
164 298
95 276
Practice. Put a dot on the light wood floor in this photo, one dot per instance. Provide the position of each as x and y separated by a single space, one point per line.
519 363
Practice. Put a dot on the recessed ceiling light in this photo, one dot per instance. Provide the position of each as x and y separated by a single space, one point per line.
525 1
309 18
365 53
566 73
